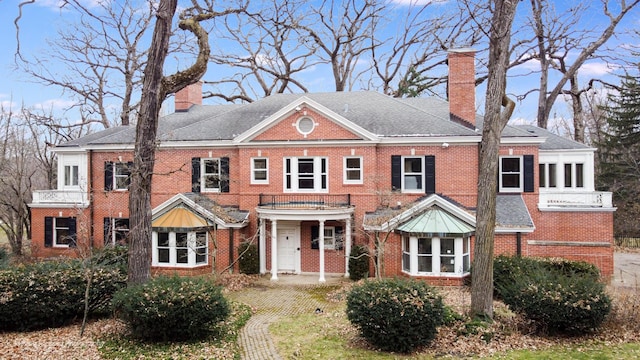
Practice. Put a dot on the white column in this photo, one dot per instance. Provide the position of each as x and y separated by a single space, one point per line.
274 250
321 247
263 246
347 246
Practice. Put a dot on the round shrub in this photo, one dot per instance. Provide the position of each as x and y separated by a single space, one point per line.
359 263
395 314
249 261
558 296
172 308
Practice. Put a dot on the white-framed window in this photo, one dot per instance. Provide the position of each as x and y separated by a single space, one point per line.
71 175
413 174
260 170
117 175
116 231
306 174
573 175
329 237
180 248
511 174
211 174
443 256
62 234
547 175
352 170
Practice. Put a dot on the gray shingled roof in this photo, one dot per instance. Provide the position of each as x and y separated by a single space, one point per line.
553 142
229 214
511 212
377 113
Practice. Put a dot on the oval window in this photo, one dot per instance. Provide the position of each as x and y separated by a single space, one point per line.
305 125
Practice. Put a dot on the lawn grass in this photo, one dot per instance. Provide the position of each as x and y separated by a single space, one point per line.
330 336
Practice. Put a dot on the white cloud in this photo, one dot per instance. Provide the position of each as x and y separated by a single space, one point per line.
417 2
54 104
597 68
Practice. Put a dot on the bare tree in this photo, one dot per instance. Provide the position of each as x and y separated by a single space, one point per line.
267 54
155 88
494 122
102 55
557 39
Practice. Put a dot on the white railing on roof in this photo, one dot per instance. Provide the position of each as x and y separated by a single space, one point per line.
60 197
571 199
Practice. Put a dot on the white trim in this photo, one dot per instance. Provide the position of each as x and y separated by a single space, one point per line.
199 210
254 181
420 187
520 188
294 175
345 180
172 247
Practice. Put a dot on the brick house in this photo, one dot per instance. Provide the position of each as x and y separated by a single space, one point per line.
307 176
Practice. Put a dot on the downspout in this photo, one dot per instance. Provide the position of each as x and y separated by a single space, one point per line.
90 191
518 244
231 232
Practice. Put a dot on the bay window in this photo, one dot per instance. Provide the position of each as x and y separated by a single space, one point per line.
441 256
180 248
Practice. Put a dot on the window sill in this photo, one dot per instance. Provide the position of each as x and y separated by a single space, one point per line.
179 266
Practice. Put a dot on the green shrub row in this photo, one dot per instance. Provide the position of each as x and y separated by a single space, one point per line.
52 294
561 296
397 315
172 308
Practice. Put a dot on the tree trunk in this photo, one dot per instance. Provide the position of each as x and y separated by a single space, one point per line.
494 122
145 145
578 115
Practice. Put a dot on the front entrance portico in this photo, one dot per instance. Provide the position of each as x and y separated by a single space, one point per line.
285 238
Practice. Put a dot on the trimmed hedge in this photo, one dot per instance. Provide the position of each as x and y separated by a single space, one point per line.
359 263
249 261
172 308
560 296
397 315
51 294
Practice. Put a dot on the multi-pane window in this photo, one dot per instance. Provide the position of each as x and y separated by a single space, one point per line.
211 174
511 174
305 174
71 175
180 249
329 237
547 175
435 256
62 236
412 174
116 231
259 171
117 175
353 170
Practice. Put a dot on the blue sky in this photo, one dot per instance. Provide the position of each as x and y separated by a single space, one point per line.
41 20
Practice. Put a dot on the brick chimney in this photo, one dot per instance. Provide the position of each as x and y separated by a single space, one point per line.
190 95
462 85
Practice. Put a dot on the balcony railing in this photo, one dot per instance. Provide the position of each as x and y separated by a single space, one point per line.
569 199
60 197
305 201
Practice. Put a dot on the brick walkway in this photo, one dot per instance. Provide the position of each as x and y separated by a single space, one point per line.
273 300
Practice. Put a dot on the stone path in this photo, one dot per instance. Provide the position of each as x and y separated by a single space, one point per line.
273 300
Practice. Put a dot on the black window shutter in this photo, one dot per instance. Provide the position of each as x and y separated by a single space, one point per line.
430 174
48 231
72 232
224 174
339 233
107 231
396 172
528 173
108 175
195 174
315 234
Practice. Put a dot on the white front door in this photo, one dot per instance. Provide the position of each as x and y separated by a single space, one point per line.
288 250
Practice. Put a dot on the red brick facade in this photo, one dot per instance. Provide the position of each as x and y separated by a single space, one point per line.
580 234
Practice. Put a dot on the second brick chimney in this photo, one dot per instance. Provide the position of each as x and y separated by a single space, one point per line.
190 95
462 85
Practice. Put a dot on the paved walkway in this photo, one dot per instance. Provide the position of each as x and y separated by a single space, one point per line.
272 300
